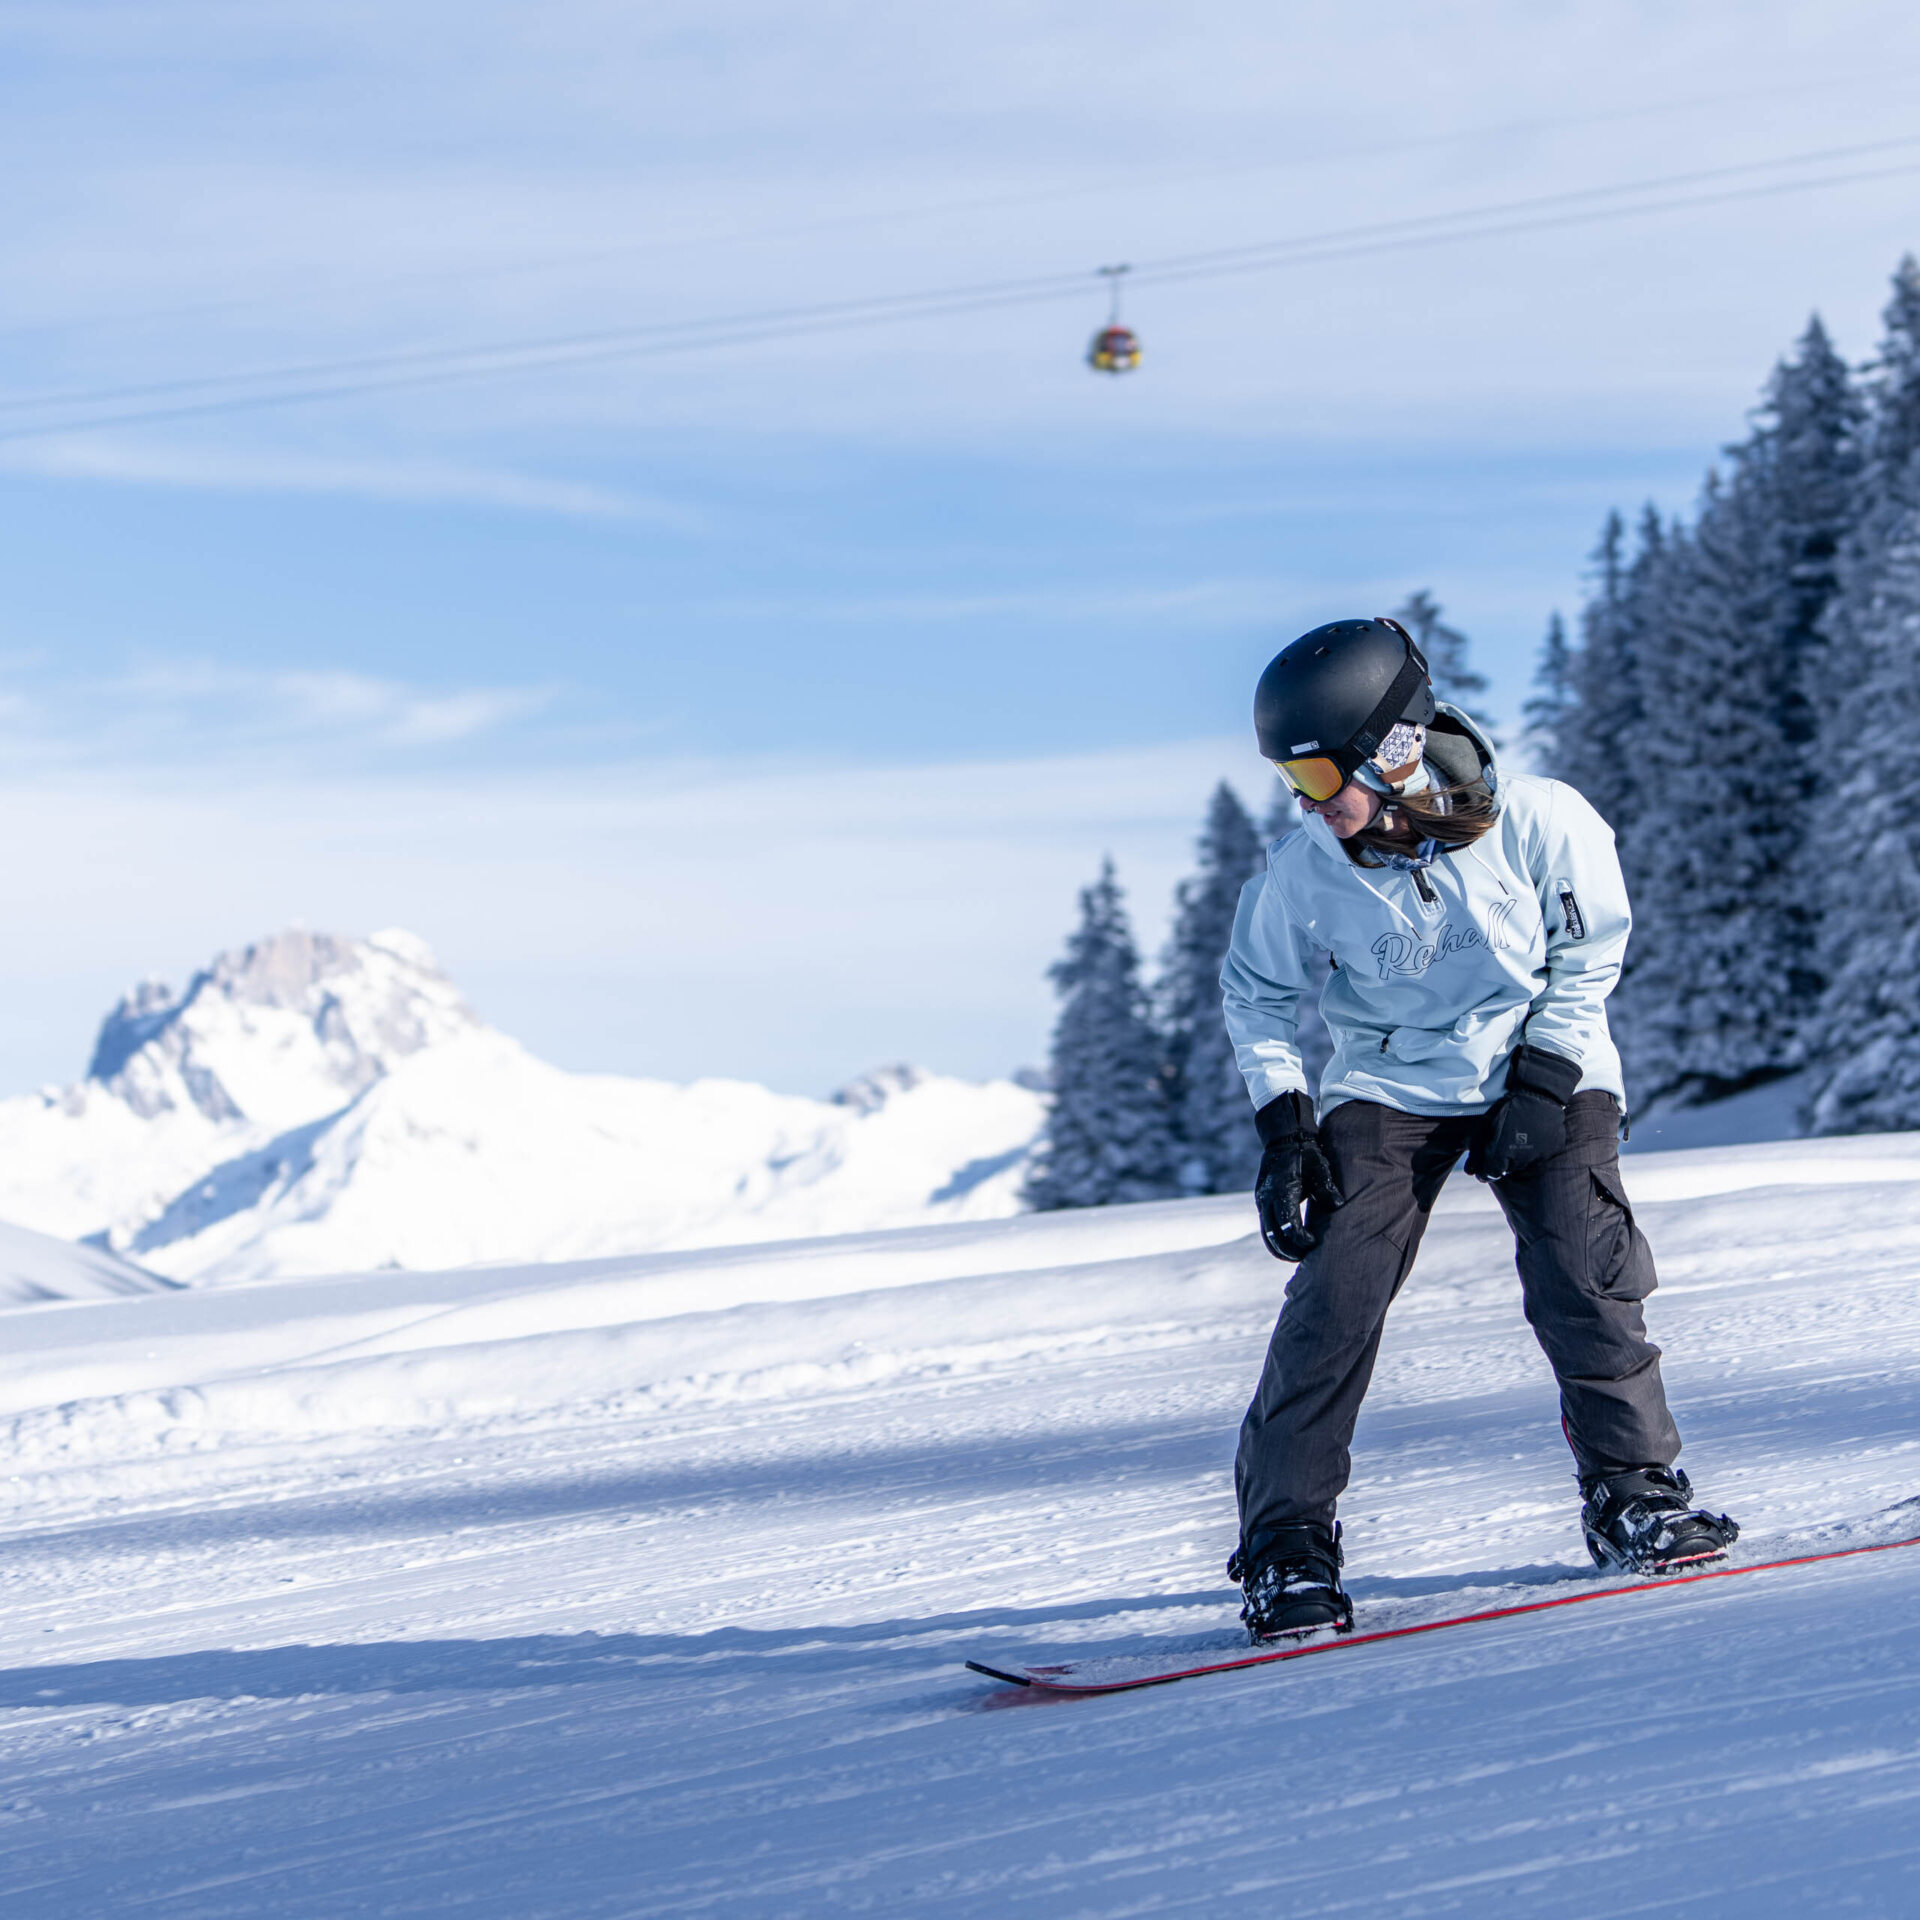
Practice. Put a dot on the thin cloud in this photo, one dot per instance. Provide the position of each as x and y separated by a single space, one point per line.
1222 599
206 713
405 482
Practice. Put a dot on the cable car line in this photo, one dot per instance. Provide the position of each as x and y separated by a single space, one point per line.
1310 245
1253 260
1660 183
513 353
1103 188
425 368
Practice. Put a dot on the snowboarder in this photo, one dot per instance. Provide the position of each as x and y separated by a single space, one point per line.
1476 922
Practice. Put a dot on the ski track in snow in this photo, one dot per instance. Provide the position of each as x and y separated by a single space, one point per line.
546 1592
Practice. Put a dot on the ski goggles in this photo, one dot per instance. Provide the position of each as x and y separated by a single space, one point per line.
1316 776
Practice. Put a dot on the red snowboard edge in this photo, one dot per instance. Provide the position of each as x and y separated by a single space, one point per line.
1059 1680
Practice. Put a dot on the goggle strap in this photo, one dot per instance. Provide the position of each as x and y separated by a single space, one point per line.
1393 704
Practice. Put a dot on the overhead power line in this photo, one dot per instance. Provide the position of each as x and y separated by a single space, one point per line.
300 384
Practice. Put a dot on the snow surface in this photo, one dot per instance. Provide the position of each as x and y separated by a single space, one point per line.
311 1104
642 1586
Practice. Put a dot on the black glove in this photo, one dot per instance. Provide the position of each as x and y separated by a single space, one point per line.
1530 1124
1293 1172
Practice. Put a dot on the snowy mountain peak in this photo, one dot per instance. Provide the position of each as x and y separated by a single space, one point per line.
310 1104
280 1032
871 1091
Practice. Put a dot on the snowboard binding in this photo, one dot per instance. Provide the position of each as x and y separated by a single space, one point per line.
1645 1522
1290 1583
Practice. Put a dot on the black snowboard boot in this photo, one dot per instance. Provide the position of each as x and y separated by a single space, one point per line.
1646 1522
1290 1583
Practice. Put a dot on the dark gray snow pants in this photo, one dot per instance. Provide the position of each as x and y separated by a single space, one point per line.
1584 1270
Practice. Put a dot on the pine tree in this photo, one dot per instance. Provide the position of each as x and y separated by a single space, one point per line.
1870 1061
1625 633
1108 1135
1712 852
1548 712
1445 648
1599 706
1721 673
1893 431
1866 1041
1283 813
1219 1150
1687 716
1804 464
1806 458
1593 748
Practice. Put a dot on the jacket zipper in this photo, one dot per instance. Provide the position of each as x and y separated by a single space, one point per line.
1424 887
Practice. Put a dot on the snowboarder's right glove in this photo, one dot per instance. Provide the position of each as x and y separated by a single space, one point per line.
1294 1173
1530 1124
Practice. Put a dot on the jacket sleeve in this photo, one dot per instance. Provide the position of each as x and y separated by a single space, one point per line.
1583 904
1269 967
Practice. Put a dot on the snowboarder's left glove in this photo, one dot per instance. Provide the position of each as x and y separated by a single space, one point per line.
1294 1173
1530 1124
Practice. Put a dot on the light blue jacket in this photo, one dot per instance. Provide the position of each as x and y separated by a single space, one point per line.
1523 940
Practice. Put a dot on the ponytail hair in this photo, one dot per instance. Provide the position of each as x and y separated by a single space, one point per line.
1455 816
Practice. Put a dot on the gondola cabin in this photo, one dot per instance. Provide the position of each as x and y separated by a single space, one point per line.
1114 350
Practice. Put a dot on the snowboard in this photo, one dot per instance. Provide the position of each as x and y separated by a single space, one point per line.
1120 1673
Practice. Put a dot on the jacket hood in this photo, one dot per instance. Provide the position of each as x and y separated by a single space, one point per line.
1458 751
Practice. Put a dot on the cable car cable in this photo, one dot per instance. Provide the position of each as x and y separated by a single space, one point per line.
430 367
1175 267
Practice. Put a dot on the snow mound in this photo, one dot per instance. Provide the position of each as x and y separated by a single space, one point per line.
315 1104
36 1270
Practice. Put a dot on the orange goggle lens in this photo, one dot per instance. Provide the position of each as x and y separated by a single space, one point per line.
1317 779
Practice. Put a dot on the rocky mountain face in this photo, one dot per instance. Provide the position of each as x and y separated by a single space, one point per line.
313 1103
290 1027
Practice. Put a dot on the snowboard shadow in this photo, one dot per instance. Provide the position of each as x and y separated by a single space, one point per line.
915 1646
1383 1586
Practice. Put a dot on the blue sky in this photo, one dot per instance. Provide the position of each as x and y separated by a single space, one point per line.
758 710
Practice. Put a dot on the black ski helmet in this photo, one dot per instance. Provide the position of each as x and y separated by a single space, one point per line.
1334 695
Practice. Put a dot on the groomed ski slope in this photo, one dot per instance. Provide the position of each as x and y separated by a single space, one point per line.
643 1586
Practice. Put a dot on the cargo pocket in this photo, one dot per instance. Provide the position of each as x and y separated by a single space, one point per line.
1619 1261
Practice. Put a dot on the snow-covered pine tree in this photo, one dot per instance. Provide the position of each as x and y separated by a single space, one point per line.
1592 748
1806 457
1723 974
1109 1135
1589 732
1446 650
1803 465
1545 712
1283 813
1712 852
1865 1044
1219 1150
1686 715
1869 1062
